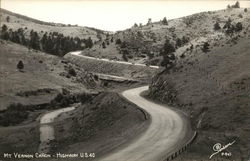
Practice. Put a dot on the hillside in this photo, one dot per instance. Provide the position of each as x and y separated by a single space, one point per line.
100 126
144 43
212 87
130 71
20 21
41 79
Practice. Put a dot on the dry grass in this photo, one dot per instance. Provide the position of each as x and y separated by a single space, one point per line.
41 71
18 21
213 89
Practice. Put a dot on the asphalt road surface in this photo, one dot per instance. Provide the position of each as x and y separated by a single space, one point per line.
167 133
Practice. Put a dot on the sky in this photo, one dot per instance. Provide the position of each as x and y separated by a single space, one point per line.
111 15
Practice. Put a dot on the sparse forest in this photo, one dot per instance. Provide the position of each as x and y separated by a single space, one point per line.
52 43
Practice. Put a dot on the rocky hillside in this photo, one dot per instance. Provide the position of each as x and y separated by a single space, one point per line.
211 84
144 43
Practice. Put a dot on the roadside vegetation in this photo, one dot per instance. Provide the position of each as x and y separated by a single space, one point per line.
210 83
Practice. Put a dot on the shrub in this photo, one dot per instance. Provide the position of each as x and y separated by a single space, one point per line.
168 55
245 10
217 26
103 45
15 114
118 41
164 21
238 27
124 57
20 65
236 5
8 18
205 47
72 71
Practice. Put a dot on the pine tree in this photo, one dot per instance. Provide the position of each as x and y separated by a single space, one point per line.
168 55
217 26
5 34
103 45
34 40
20 65
238 27
8 18
164 21
205 47
237 5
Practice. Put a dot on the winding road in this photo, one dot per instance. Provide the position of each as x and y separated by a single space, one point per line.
168 132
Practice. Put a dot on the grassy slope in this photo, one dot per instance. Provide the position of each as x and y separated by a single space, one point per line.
107 121
20 21
213 89
41 71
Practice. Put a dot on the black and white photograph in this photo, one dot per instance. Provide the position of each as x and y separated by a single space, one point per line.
124 80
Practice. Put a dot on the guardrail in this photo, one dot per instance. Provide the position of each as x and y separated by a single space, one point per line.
178 152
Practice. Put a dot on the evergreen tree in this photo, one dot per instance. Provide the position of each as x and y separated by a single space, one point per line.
4 28
168 55
236 5
205 47
178 42
164 21
20 65
238 27
185 39
5 35
228 24
34 40
103 45
8 18
217 26
118 41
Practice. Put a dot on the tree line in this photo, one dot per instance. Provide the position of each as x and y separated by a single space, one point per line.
53 42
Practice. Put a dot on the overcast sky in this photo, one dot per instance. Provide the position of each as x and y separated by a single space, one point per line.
111 15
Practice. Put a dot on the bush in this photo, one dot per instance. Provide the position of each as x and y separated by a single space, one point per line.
20 65
168 55
164 21
15 114
205 47
72 71
245 10
8 18
103 45
238 27
217 26
118 41
236 5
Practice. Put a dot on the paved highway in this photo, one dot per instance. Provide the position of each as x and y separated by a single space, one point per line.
167 133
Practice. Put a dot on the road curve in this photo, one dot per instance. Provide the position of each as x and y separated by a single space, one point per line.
78 53
47 130
166 134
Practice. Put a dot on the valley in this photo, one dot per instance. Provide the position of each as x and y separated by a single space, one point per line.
164 90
